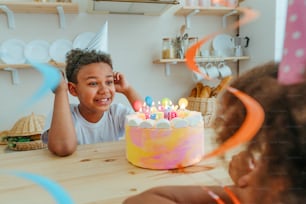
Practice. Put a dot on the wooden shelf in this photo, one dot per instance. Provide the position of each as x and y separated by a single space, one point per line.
26 66
37 7
200 59
168 62
185 11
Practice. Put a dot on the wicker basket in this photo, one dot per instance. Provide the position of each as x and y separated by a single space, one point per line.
207 106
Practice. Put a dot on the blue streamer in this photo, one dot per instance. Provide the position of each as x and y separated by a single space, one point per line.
56 191
52 78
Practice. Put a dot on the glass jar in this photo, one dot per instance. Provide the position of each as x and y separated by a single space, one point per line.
192 41
168 50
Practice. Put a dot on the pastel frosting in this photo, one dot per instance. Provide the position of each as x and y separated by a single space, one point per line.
163 143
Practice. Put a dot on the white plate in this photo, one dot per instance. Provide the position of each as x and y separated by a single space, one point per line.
12 51
59 49
82 40
223 44
37 51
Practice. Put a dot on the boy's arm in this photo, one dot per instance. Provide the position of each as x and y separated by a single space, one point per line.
62 140
179 194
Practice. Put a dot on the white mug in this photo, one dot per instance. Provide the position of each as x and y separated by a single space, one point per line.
196 77
224 70
212 71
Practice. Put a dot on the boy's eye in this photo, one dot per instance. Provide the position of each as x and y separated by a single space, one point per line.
109 82
92 83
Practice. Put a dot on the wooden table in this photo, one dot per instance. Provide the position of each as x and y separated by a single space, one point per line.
97 173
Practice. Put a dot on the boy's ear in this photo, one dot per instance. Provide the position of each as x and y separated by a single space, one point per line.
72 89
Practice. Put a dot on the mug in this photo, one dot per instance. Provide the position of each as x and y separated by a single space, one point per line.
196 77
212 71
224 70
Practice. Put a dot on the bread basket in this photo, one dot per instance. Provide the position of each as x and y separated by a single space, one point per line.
207 106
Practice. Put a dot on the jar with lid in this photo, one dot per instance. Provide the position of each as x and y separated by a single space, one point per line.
168 50
191 42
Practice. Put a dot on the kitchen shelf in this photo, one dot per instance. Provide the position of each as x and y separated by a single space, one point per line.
38 8
13 68
26 66
200 59
186 11
168 62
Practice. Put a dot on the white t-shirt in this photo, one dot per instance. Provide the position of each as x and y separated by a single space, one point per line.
109 128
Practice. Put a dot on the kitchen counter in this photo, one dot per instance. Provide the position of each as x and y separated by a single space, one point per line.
96 173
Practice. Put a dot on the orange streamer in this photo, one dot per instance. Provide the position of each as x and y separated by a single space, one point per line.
252 123
213 195
231 194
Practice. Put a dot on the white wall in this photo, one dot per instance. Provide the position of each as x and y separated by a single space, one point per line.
261 33
134 42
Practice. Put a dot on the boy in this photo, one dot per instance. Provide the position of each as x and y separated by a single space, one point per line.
95 119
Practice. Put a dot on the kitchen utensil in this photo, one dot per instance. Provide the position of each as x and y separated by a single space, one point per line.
240 43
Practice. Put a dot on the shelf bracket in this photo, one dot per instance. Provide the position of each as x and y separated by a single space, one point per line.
15 75
224 18
167 68
10 16
187 18
62 18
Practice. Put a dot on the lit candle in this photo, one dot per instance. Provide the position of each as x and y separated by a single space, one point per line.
183 103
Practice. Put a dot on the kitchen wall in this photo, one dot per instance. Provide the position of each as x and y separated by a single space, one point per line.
134 42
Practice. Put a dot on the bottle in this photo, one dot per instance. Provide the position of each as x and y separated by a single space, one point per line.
168 50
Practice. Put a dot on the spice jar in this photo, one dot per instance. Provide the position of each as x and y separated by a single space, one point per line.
168 50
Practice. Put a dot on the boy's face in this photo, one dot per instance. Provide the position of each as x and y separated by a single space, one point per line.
94 88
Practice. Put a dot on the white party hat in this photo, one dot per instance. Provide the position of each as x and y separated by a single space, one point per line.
100 41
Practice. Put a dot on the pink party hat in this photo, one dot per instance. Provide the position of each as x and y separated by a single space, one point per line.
292 68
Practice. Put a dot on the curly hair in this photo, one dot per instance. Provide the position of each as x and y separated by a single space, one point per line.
77 58
281 141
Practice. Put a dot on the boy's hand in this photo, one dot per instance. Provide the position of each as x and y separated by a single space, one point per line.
121 85
62 85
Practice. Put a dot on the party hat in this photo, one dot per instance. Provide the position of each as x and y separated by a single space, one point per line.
100 41
292 68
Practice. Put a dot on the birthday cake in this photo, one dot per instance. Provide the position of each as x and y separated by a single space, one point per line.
164 137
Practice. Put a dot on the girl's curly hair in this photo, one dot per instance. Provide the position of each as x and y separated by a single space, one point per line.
77 58
281 141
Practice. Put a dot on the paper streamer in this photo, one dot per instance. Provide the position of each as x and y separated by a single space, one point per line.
56 191
100 41
51 79
254 119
